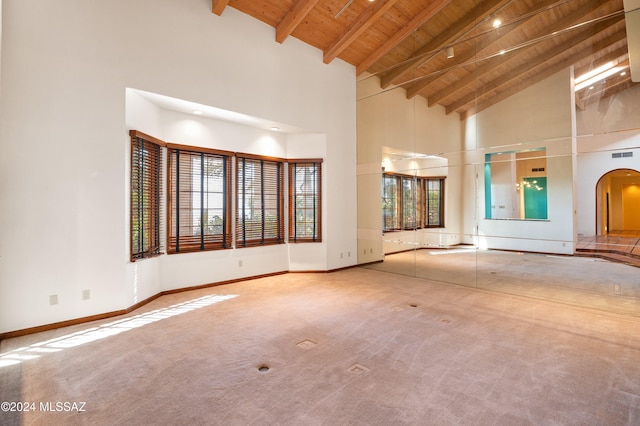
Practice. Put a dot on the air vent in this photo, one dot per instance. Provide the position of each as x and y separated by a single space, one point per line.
622 154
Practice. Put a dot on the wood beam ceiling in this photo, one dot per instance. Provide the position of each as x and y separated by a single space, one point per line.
486 47
541 75
218 6
532 62
296 14
401 41
454 32
364 21
426 14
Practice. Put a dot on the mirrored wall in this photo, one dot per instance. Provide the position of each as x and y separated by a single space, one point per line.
506 156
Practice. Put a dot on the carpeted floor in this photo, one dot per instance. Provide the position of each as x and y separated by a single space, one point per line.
580 281
354 347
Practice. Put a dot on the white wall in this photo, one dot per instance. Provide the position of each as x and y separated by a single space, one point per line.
605 127
64 142
537 117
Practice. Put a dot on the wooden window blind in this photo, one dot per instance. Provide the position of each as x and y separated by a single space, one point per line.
305 201
259 201
390 203
410 202
435 203
409 206
146 187
199 198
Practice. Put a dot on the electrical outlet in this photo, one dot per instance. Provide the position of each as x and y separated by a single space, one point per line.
53 299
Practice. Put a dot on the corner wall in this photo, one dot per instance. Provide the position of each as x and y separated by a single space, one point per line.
65 68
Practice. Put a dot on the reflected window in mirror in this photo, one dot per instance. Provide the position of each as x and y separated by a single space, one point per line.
412 202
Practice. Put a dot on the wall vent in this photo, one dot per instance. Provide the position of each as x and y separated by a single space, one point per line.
622 154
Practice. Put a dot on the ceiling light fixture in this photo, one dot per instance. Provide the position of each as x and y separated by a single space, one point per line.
450 53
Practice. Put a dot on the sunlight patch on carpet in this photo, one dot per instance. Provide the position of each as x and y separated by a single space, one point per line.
36 350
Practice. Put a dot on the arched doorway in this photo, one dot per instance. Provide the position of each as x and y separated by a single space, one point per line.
618 202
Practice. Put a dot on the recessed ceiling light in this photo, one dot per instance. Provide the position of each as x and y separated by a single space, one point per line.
197 112
496 23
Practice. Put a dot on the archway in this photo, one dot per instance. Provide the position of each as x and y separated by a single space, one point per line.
618 202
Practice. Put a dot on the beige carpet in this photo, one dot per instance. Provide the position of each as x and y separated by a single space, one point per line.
580 281
355 347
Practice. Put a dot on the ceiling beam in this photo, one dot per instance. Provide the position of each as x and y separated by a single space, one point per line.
494 37
543 74
425 14
455 31
293 18
515 73
218 6
490 65
364 21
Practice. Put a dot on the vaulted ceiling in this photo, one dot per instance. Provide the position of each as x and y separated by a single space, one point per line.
465 55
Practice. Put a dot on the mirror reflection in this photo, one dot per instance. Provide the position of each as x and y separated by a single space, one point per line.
504 156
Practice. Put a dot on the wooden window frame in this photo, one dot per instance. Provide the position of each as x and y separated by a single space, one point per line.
296 193
427 192
258 231
422 199
177 190
145 194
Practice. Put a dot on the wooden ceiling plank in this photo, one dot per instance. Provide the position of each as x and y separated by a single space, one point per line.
481 49
539 76
515 73
456 31
490 65
218 6
293 18
422 17
364 21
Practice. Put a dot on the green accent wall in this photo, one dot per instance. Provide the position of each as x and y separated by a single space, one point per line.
535 198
